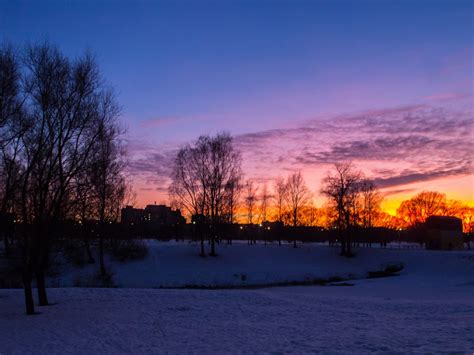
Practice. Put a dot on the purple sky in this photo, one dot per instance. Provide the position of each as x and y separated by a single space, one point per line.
301 84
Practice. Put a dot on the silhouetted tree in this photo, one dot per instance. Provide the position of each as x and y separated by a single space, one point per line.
84 208
231 202
281 191
250 200
62 103
296 197
370 203
341 187
107 181
265 199
311 216
415 211
201 176
11 103
222 167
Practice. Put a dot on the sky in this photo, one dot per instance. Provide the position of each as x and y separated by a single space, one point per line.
301 85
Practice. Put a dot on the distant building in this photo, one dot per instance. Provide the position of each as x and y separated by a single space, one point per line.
132 215
158 215
444 233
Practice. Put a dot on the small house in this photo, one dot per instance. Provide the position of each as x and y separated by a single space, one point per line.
444 233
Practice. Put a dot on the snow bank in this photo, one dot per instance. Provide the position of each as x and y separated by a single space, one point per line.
176 264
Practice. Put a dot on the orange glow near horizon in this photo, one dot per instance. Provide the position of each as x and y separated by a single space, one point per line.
406 150
455 188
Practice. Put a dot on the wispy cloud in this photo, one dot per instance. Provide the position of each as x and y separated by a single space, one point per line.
412 177
431 142
396 146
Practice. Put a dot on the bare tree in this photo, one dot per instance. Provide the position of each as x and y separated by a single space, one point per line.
84 208
188 186
250 200
265 199
297 196
415 211
311 215
370 203
202 175
280 191
223 168
231 200
11 100
107 181
11 103
62 102
341 187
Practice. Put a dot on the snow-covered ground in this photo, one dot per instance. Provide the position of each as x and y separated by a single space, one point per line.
428 308
177 264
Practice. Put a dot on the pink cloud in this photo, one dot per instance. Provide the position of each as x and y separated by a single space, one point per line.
398 147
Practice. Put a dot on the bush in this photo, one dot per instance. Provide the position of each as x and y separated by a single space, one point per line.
129 249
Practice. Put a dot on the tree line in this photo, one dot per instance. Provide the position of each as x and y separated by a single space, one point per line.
207 181
209 185
61 152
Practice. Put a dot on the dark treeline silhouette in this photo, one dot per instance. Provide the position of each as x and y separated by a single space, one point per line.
61 156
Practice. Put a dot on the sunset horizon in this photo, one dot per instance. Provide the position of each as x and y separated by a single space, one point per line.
399 106
397 184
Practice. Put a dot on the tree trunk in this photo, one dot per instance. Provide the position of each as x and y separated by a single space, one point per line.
41 284
348 243
343 247
89 252
294 243
202 254
213 246
342 238
29 303
41 267
101 255
27 274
